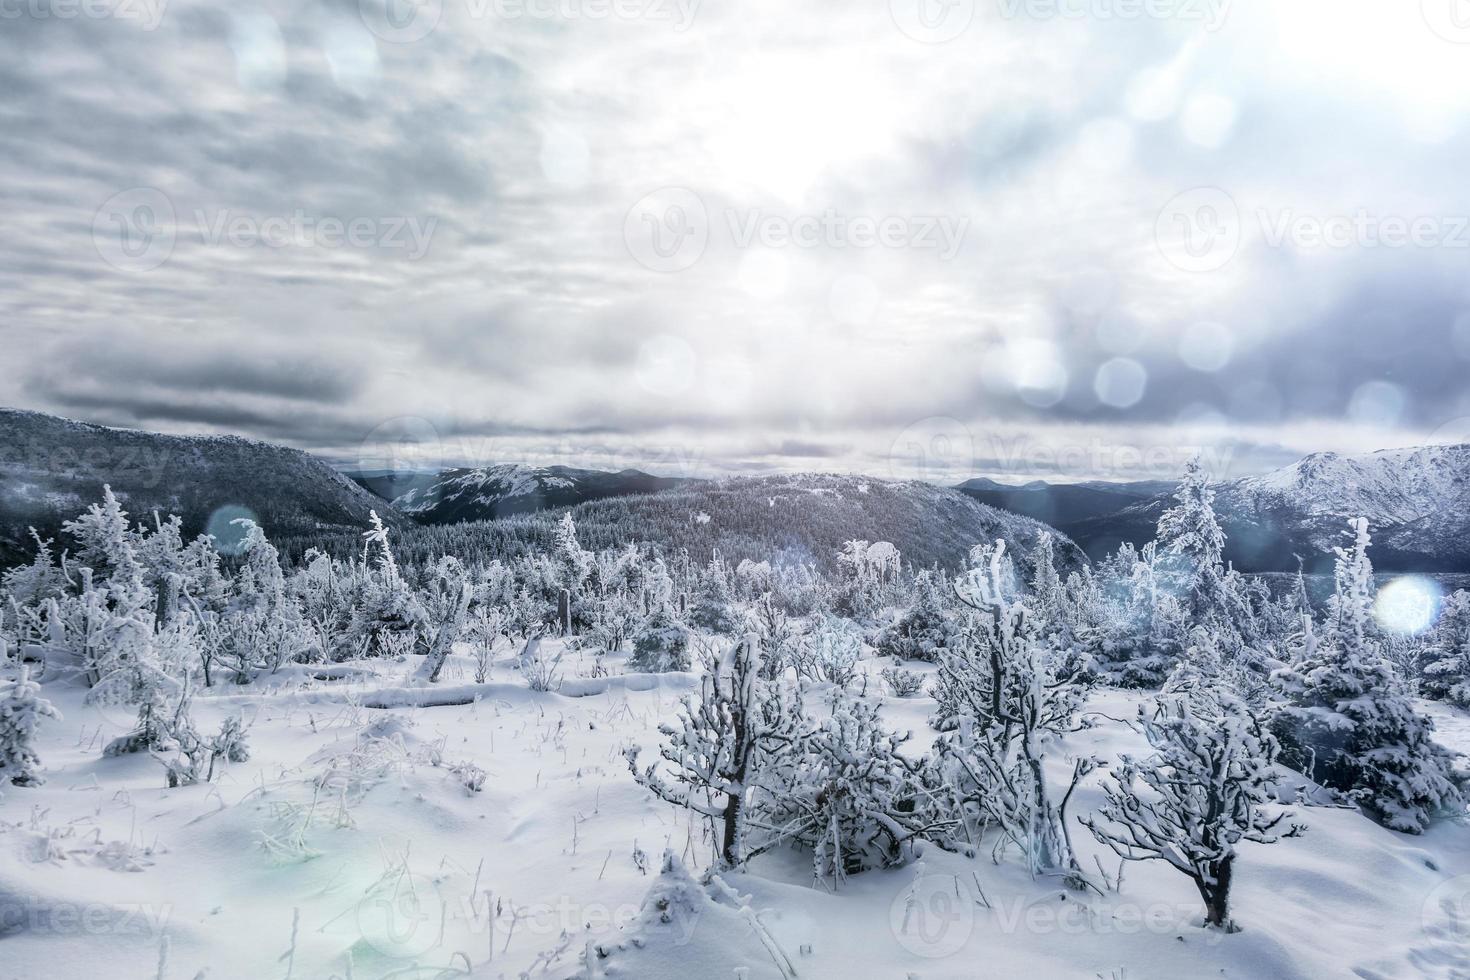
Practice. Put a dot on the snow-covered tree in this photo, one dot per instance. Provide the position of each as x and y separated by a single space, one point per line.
1002 697
1191 545
723 739
387 606
21 711
1445 660
1203 792
713 605
662 644
447 605
850 794
925 630
1347 724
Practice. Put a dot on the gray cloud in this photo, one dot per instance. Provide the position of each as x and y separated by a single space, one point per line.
527 328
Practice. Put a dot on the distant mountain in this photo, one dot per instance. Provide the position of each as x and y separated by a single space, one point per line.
1063 504
501 491
52 468
792 518
1417 502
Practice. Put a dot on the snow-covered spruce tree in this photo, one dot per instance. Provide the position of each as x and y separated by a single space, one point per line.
712 608
723 740
387 605
661 644
925 630
42 579
1202 792
21 711
1047 594
849 795
1191 545
1445 659
264 628
1347 725
1003 696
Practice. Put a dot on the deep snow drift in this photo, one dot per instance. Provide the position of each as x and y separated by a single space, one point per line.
350 845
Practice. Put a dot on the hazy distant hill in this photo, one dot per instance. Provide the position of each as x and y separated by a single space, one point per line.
52 468
504 490
1064 504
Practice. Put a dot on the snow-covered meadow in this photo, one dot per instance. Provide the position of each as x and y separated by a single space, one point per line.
357 769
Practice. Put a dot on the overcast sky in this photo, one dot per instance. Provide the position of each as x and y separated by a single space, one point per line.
940 238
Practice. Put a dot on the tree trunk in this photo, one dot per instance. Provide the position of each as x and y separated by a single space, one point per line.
730 843
1216 895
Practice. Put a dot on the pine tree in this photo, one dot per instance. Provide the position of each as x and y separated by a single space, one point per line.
1347 725
1446 656
1191 545
21 711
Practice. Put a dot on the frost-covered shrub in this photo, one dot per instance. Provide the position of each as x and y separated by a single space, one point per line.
903 683
830 651
21 711
662 644
853 798
387 606
777 632
541 671
925 630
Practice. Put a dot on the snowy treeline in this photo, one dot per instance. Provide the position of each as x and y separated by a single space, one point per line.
783 745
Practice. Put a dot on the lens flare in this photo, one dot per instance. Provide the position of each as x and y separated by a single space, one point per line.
1408 605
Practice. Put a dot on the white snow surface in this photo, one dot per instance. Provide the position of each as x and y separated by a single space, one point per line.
351 829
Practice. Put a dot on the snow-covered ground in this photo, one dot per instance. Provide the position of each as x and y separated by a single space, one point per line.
350 846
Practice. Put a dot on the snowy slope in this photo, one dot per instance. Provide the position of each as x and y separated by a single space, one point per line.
801 517
349 846
511 488
52 468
